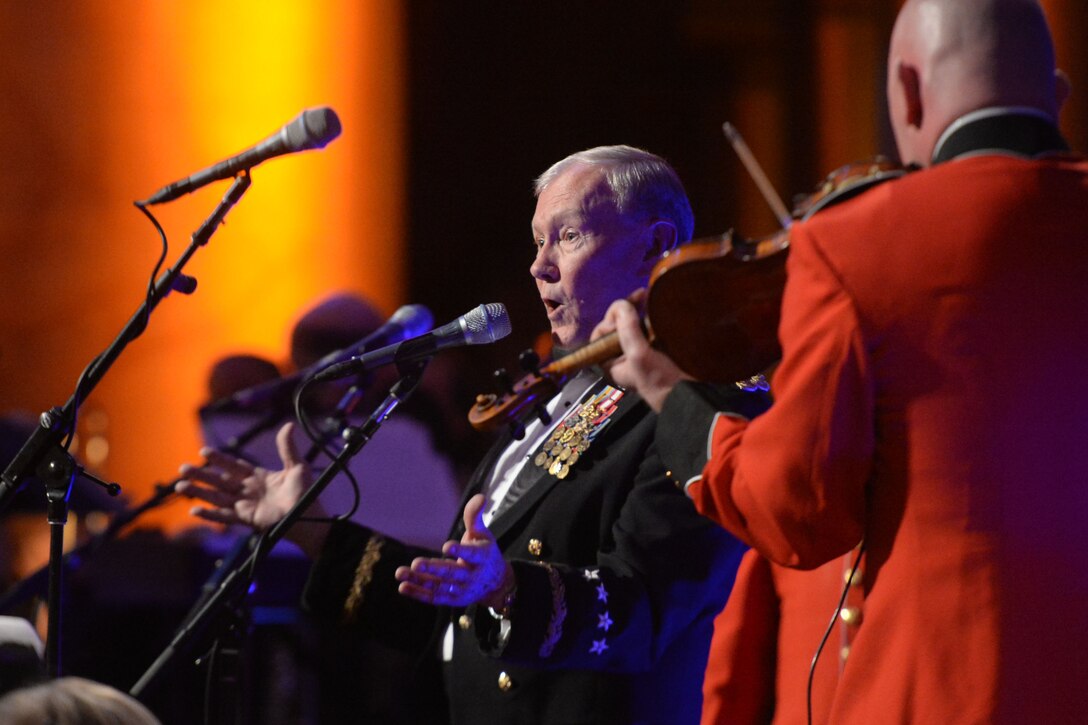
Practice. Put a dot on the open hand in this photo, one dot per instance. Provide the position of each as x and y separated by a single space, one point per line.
239 492
472 571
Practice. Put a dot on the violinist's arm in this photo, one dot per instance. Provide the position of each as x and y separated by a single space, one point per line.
650 372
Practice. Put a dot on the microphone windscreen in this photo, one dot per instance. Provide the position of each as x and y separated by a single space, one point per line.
316 127
487 323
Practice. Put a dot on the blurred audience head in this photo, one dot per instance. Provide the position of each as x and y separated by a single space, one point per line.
21 652
237 372
72 701
334 323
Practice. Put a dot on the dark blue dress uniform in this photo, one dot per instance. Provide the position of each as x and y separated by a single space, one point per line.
618 583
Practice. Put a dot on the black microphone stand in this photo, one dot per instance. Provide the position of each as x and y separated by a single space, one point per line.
43 447
223 657
235 446
35 583
234 584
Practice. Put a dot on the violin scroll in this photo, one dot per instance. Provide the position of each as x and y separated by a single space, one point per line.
531 392
492 410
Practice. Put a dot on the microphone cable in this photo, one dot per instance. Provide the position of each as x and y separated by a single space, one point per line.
827 632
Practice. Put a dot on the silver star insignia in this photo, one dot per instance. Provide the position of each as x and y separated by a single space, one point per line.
599 646
604 621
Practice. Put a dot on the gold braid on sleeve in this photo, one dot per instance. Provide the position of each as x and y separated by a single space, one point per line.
363 574
559 611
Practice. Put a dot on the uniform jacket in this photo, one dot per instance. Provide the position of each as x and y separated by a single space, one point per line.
932 400
618 581
766 637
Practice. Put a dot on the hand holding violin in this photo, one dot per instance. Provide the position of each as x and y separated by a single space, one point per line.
649 372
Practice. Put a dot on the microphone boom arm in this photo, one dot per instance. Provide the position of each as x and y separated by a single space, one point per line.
52 424
43 446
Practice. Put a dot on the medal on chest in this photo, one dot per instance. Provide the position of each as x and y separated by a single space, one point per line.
576 432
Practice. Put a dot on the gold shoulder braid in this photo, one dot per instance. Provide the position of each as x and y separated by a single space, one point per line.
363 574
574 434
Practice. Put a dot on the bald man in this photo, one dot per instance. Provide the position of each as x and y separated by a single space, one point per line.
931 399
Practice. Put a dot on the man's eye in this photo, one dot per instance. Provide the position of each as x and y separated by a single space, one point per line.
570 236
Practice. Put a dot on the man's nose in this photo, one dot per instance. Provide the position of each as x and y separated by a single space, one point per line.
543 267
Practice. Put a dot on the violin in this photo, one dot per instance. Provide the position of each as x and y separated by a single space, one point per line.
733 287
713 306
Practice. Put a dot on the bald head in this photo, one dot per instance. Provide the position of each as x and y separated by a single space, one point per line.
951 57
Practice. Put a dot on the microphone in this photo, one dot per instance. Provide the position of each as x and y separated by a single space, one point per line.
408 321
480 326
312 129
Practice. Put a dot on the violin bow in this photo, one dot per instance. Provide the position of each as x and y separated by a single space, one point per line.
756 171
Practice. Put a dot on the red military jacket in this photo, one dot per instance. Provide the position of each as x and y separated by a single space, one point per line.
932 401
767 636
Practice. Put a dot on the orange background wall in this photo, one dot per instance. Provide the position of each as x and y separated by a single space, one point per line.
106 102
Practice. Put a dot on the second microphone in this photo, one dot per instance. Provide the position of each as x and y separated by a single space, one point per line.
480 326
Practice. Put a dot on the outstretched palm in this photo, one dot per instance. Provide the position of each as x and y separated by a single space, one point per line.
241 493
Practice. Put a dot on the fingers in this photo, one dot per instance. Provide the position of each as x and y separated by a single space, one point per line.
628 327
285 445
219 515
214 486
215 497
234 489
226 464
223 513
436 570
420 589
474 520
622 318
437 581
454 582
477 553
210 478
448 595
420 594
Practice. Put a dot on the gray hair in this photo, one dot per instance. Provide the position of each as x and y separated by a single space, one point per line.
641 182
73 701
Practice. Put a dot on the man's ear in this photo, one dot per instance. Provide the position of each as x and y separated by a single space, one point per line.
910 86
662 236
